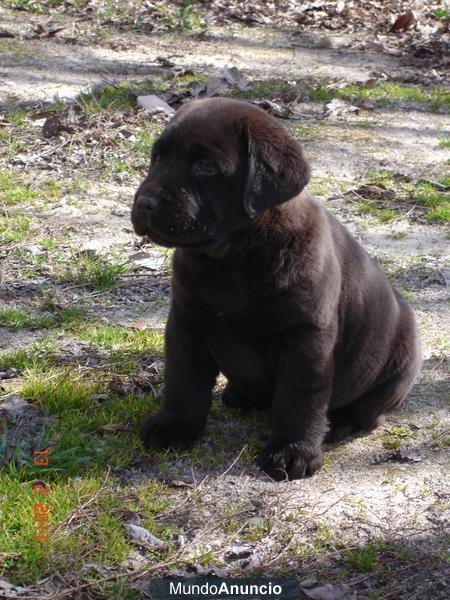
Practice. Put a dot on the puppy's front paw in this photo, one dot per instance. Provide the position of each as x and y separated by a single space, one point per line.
289 461
164 430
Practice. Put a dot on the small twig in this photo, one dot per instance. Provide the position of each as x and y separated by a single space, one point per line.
405 216
53 149
233 463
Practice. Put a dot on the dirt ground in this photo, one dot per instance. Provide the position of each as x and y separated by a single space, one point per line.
372 523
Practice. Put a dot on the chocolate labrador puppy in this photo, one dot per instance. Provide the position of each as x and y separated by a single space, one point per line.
268 288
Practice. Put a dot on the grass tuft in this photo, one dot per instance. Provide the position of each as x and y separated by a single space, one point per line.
384 215
118 338
96 272
364 560
13 192
438 202
17 318
118 97
57 391
13 228
17 118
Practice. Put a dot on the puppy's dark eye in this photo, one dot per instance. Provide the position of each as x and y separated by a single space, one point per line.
204 167
156 158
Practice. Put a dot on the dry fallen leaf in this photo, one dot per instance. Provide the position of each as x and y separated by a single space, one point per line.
338 107
403 22
330 592
217 86
373 191
112 427
4 33
234 76
52 127
370 83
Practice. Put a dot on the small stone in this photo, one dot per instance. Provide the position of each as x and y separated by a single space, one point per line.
14 407
255 522
143 537
153 104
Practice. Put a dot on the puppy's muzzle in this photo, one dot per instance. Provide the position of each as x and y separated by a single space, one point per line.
146 203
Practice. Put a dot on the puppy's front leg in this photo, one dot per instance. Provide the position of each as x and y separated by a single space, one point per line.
190 374
299 408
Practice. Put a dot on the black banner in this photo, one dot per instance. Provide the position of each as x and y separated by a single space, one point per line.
215 588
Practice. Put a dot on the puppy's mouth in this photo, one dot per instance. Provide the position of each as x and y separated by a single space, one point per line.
176 241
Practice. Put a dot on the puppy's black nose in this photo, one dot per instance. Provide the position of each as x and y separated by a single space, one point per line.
147 202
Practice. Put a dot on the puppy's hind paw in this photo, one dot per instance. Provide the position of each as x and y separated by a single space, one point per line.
164 430
289 461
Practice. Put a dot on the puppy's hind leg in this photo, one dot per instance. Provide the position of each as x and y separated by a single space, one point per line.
369 411
233 398
341 425
246 365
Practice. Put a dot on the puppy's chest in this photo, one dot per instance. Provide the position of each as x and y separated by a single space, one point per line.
246 301
220 288
230 293
240 292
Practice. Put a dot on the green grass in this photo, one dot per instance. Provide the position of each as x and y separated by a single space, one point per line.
132 156
17 118
364 560
272 88
13 228
10 146
38 355
320 186
13 47
83 407
12 191
323 541
16 318
253 533
442 14
438 202
48 243
94 271
383 215
394 436
28 5
443 143
384 93
145 139
51 189
178 18
94 536
57 390
385 178
319 93
440 214
119 97
123 339
397 235
232 517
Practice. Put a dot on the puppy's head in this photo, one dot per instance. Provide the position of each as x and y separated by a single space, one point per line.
217 166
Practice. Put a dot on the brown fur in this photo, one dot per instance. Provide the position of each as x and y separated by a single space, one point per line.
268 288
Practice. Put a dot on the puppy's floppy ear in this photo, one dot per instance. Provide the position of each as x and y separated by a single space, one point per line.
276 169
